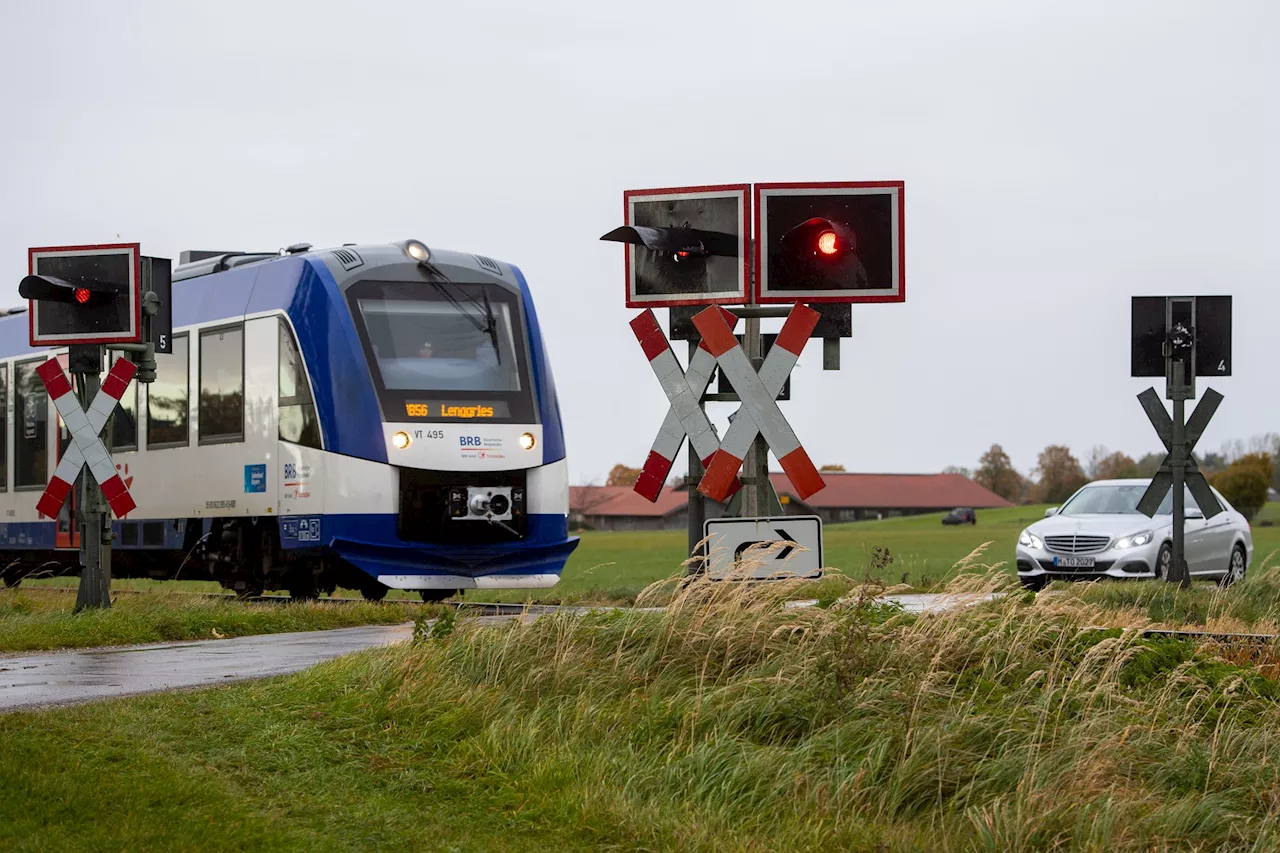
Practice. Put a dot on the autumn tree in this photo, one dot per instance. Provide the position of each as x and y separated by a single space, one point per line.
1116 466
1096 456
1060 474
835 468
956 469
621 475
1245 482
995 472
1148 465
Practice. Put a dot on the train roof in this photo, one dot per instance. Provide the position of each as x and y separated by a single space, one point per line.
213 285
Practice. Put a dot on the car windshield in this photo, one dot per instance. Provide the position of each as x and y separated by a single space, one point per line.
433 345
1117 499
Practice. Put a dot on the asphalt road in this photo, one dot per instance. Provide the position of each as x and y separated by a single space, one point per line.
61 678
58 678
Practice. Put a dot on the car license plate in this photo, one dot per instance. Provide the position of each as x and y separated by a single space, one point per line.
1074 562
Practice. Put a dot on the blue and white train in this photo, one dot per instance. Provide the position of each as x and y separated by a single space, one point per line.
366 417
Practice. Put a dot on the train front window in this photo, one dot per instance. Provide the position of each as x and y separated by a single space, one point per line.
445 351
438 346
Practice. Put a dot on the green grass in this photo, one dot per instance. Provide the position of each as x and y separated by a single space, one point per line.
726 723
33 619
915 550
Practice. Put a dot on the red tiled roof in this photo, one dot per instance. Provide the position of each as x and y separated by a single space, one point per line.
843 491
896 491
623 500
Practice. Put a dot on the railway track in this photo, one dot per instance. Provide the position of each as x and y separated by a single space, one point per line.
479 608
493 608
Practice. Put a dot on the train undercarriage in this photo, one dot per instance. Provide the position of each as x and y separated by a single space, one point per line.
243 555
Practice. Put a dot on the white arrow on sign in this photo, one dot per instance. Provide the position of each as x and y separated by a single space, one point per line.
777 548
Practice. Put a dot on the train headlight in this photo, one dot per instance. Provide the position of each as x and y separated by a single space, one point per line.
401 439
417 250
527 441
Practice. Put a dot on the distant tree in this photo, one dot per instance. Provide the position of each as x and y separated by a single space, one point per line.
1115 466
832 468
1245 482
1099 453
1150 464
1059 473
621 475
955 469
995 472
1211 463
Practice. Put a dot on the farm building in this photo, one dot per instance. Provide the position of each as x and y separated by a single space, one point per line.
847 497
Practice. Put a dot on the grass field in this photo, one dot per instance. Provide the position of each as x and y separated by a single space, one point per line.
916 550
32 619
726 723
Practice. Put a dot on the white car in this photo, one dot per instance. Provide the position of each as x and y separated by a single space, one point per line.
1099 533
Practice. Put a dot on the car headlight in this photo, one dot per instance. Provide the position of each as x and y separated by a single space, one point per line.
1030 540
1134 541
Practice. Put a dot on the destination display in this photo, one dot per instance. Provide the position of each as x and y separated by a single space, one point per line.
457 409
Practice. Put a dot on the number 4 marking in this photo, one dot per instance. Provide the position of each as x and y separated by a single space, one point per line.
1222 365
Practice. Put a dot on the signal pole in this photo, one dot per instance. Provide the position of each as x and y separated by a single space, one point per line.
1180 573
85 361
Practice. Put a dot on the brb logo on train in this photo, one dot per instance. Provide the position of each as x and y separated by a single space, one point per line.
477 447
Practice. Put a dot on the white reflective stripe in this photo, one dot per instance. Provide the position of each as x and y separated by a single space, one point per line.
76 420
70 464
464 582
758 393
685 416
86 447
99 462
103 404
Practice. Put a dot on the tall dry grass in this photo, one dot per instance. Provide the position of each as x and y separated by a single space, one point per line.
730 720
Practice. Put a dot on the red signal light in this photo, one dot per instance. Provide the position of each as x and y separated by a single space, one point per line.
827 242
82 295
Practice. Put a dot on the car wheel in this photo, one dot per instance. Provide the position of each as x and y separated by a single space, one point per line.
1235 570
1164 561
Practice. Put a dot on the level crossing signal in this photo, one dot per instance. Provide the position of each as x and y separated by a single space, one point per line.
1180 338
96 295
829 242
86 298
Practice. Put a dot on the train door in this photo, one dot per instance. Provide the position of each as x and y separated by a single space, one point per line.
68 532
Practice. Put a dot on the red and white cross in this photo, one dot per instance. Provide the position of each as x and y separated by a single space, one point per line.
759 414
86 447
685 416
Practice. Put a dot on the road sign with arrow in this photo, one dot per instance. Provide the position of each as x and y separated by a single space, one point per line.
776 548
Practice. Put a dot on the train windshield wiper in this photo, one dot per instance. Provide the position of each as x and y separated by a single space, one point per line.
490 324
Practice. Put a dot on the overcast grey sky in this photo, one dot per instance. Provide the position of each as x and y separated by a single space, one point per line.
1058 159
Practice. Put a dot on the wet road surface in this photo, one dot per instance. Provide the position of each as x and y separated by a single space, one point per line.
56 678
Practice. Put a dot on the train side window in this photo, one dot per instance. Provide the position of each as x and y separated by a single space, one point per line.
167 398
30 427
222 385
298 421
124 421
4 445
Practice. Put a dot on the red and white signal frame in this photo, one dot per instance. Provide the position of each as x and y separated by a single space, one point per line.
743 194
133 250
753 236
896 190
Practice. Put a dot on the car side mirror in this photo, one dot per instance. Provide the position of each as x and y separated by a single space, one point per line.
1050 512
